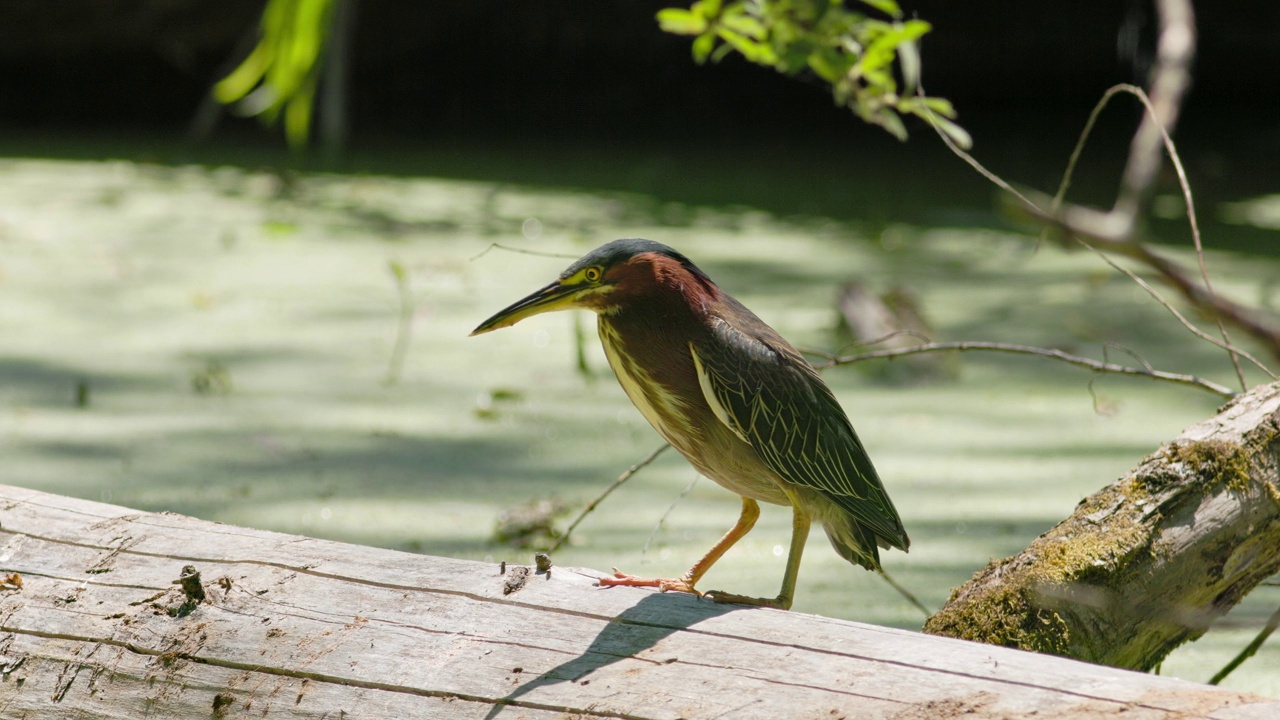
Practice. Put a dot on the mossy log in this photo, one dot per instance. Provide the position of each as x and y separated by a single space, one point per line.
107 612
1149 562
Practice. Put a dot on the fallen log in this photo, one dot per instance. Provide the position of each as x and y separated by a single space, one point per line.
1149 562
109 612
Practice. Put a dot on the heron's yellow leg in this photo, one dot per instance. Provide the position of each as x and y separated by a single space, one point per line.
800 523
685 583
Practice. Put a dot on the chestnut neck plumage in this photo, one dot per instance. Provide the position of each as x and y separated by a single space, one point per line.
646 333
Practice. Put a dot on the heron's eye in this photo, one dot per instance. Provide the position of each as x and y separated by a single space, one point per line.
592 274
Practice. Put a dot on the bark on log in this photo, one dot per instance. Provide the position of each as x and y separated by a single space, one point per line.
104 623
1149 562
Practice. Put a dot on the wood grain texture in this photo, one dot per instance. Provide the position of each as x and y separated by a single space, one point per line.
302 628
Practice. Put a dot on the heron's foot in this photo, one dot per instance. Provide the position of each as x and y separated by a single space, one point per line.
782 603
663 584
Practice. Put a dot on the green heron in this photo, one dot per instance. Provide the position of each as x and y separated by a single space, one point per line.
733 397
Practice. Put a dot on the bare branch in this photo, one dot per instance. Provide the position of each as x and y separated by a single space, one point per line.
1119 227
508 248
1170 78
1249 649
1114 231
404 324
625 476
1089 363
905 593
658 525
1181 318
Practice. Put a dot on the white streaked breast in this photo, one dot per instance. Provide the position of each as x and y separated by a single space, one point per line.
634 380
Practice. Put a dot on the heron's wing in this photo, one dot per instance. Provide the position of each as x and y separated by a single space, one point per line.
769 396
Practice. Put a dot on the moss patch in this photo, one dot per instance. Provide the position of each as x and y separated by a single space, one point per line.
1219 462
1006 617
1081 556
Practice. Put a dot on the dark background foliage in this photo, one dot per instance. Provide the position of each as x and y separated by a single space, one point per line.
561 68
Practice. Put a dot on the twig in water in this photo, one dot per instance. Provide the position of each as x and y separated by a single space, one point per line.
1077 360
580 345
904 592
599 498
663 519
1249 649
1106 347
876 341
405 326
539 253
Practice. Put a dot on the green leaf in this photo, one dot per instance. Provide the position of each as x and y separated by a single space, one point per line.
702 47
758 53
243 79
909 61
913 30
792 59
958 135
707 8
297 115
941 106
888 7
829 65
720 52
889 120
397 270
681 22
743 25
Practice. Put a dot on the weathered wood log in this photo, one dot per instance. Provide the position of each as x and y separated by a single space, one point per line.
104 621
1149 562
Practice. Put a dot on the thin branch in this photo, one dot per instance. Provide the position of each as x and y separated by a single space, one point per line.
1084 223
1170 77
625 476
1249 649
876 341
1107 358
973 162
404 324
1069 174
499 246
1114 230
1176 159
905 593
1120 223
1084 362
1102 229
658 525
1181 318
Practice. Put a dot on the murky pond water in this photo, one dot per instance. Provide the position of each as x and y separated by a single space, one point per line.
218 342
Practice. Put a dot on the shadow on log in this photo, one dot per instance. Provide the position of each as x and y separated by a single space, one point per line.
113 613
1149 562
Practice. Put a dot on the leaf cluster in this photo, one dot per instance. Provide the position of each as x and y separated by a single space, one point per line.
280 76
855 53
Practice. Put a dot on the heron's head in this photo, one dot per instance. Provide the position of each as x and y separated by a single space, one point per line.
607 279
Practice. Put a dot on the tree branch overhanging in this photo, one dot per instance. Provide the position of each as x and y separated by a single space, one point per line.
1077 360
625 476
1115 230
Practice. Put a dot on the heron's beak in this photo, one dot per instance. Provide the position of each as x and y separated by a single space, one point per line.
550 298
